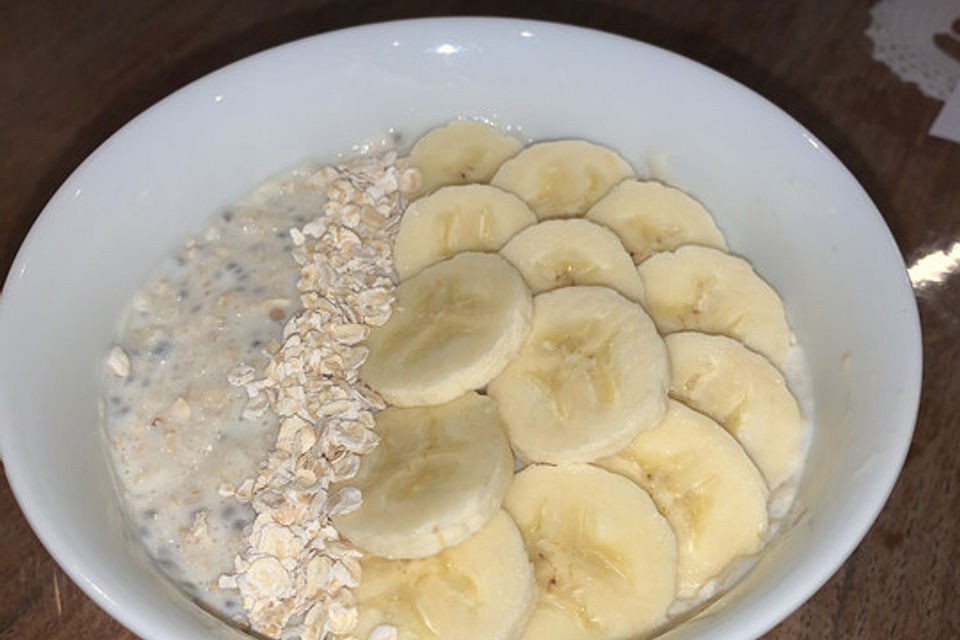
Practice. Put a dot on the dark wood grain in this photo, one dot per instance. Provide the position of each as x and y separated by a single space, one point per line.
72 73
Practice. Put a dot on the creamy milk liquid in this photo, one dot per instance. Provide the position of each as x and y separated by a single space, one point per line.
174 423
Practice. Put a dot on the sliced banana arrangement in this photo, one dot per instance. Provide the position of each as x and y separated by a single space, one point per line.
589 328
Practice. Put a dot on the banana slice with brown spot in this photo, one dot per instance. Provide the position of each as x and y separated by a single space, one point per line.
563 178
460 152
592 375
481 589
561 253
472 217
703 289
604 557
650 216
745 393
706 486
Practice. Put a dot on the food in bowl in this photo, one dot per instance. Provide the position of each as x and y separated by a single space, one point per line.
301 442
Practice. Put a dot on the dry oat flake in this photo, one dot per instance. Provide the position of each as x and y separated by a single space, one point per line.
296 576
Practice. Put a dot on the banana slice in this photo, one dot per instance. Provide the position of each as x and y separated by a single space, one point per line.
560 253
563 178
650 216
705 485
460 152
707 290
437 476
742 391
455 326
590 377
473 217
605 559
481 589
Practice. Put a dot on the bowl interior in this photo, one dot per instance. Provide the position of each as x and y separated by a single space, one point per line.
780 197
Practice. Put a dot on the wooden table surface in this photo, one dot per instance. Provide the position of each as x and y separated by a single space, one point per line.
72 73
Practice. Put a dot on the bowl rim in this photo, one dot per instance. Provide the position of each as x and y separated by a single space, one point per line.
803 584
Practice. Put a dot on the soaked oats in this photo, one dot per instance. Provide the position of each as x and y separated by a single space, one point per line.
296 575
172 421
230 350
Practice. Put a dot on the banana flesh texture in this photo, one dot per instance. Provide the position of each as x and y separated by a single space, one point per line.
437 476
590 377
460 152
563 178
743 392
702 481
604 557
703 289
561 253
473 217
455 326
650 217
481 589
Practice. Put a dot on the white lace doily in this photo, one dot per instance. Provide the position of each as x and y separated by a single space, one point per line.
902 33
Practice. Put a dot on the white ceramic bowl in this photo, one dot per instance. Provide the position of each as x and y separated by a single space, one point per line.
781 198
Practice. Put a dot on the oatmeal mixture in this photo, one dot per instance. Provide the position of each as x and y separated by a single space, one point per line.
296 574
237 416
188 426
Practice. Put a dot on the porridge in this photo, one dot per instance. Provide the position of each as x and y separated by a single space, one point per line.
187 411
315 407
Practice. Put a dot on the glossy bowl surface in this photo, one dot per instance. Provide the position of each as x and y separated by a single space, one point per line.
781 198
